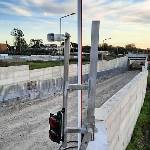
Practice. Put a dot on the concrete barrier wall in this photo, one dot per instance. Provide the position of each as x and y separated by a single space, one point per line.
21 58
20 82
56 72
116 119
14 74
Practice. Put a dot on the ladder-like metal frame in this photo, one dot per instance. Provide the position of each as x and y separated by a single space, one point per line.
91 87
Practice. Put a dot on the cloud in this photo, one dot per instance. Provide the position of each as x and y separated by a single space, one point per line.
119 18
12 9
139 13
36 8
53 6
136 11
36 2
20 11
118 10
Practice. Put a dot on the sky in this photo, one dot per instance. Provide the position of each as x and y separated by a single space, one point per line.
124 21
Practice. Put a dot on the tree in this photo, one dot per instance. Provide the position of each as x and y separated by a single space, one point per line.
19 42
74 47
36 43
104 47
86 49
131 47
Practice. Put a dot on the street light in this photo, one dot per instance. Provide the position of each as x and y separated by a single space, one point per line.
106 40
103 45
64 17
60 25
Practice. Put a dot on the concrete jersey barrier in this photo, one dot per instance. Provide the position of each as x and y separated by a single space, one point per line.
116 119
18 82
16 74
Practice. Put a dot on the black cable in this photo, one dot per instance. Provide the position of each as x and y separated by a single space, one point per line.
72 142
70 146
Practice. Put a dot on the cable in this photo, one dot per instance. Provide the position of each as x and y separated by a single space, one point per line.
69 146
72 142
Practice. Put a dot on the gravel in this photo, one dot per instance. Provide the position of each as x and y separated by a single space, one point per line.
24 126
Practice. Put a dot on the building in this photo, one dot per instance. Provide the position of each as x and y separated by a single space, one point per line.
3 48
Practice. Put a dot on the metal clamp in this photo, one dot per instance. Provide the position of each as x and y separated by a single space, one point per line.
77 87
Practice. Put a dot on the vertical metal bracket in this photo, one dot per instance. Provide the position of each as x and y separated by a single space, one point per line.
92 85
93 73
65 87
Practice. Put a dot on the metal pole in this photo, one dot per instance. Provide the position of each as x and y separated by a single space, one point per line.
65 84
103 50
60 21
117 51
79 69
60 29
103 45
93 74
92 85
60 35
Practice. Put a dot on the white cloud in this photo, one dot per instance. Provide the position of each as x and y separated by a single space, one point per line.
21 11
35 2
119 10
123 20
53 6
14 9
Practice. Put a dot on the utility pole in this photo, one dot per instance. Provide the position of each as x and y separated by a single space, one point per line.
79 69
103 47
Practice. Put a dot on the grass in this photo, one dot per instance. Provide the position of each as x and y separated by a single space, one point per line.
42 64
33 64
39 64
141 136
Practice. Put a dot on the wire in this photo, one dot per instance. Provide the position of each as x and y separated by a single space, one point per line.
72 142
69 146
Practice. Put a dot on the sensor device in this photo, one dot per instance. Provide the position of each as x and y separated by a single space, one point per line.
51 37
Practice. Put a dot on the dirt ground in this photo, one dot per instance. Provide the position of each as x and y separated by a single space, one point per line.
24 126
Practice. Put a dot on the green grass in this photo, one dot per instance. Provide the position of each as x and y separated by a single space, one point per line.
33 64
141 136
42 64
39 64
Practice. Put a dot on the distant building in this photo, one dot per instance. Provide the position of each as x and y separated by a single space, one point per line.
51 46
3 48
104 52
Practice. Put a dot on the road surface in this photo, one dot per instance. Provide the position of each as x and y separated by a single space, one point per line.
24 126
